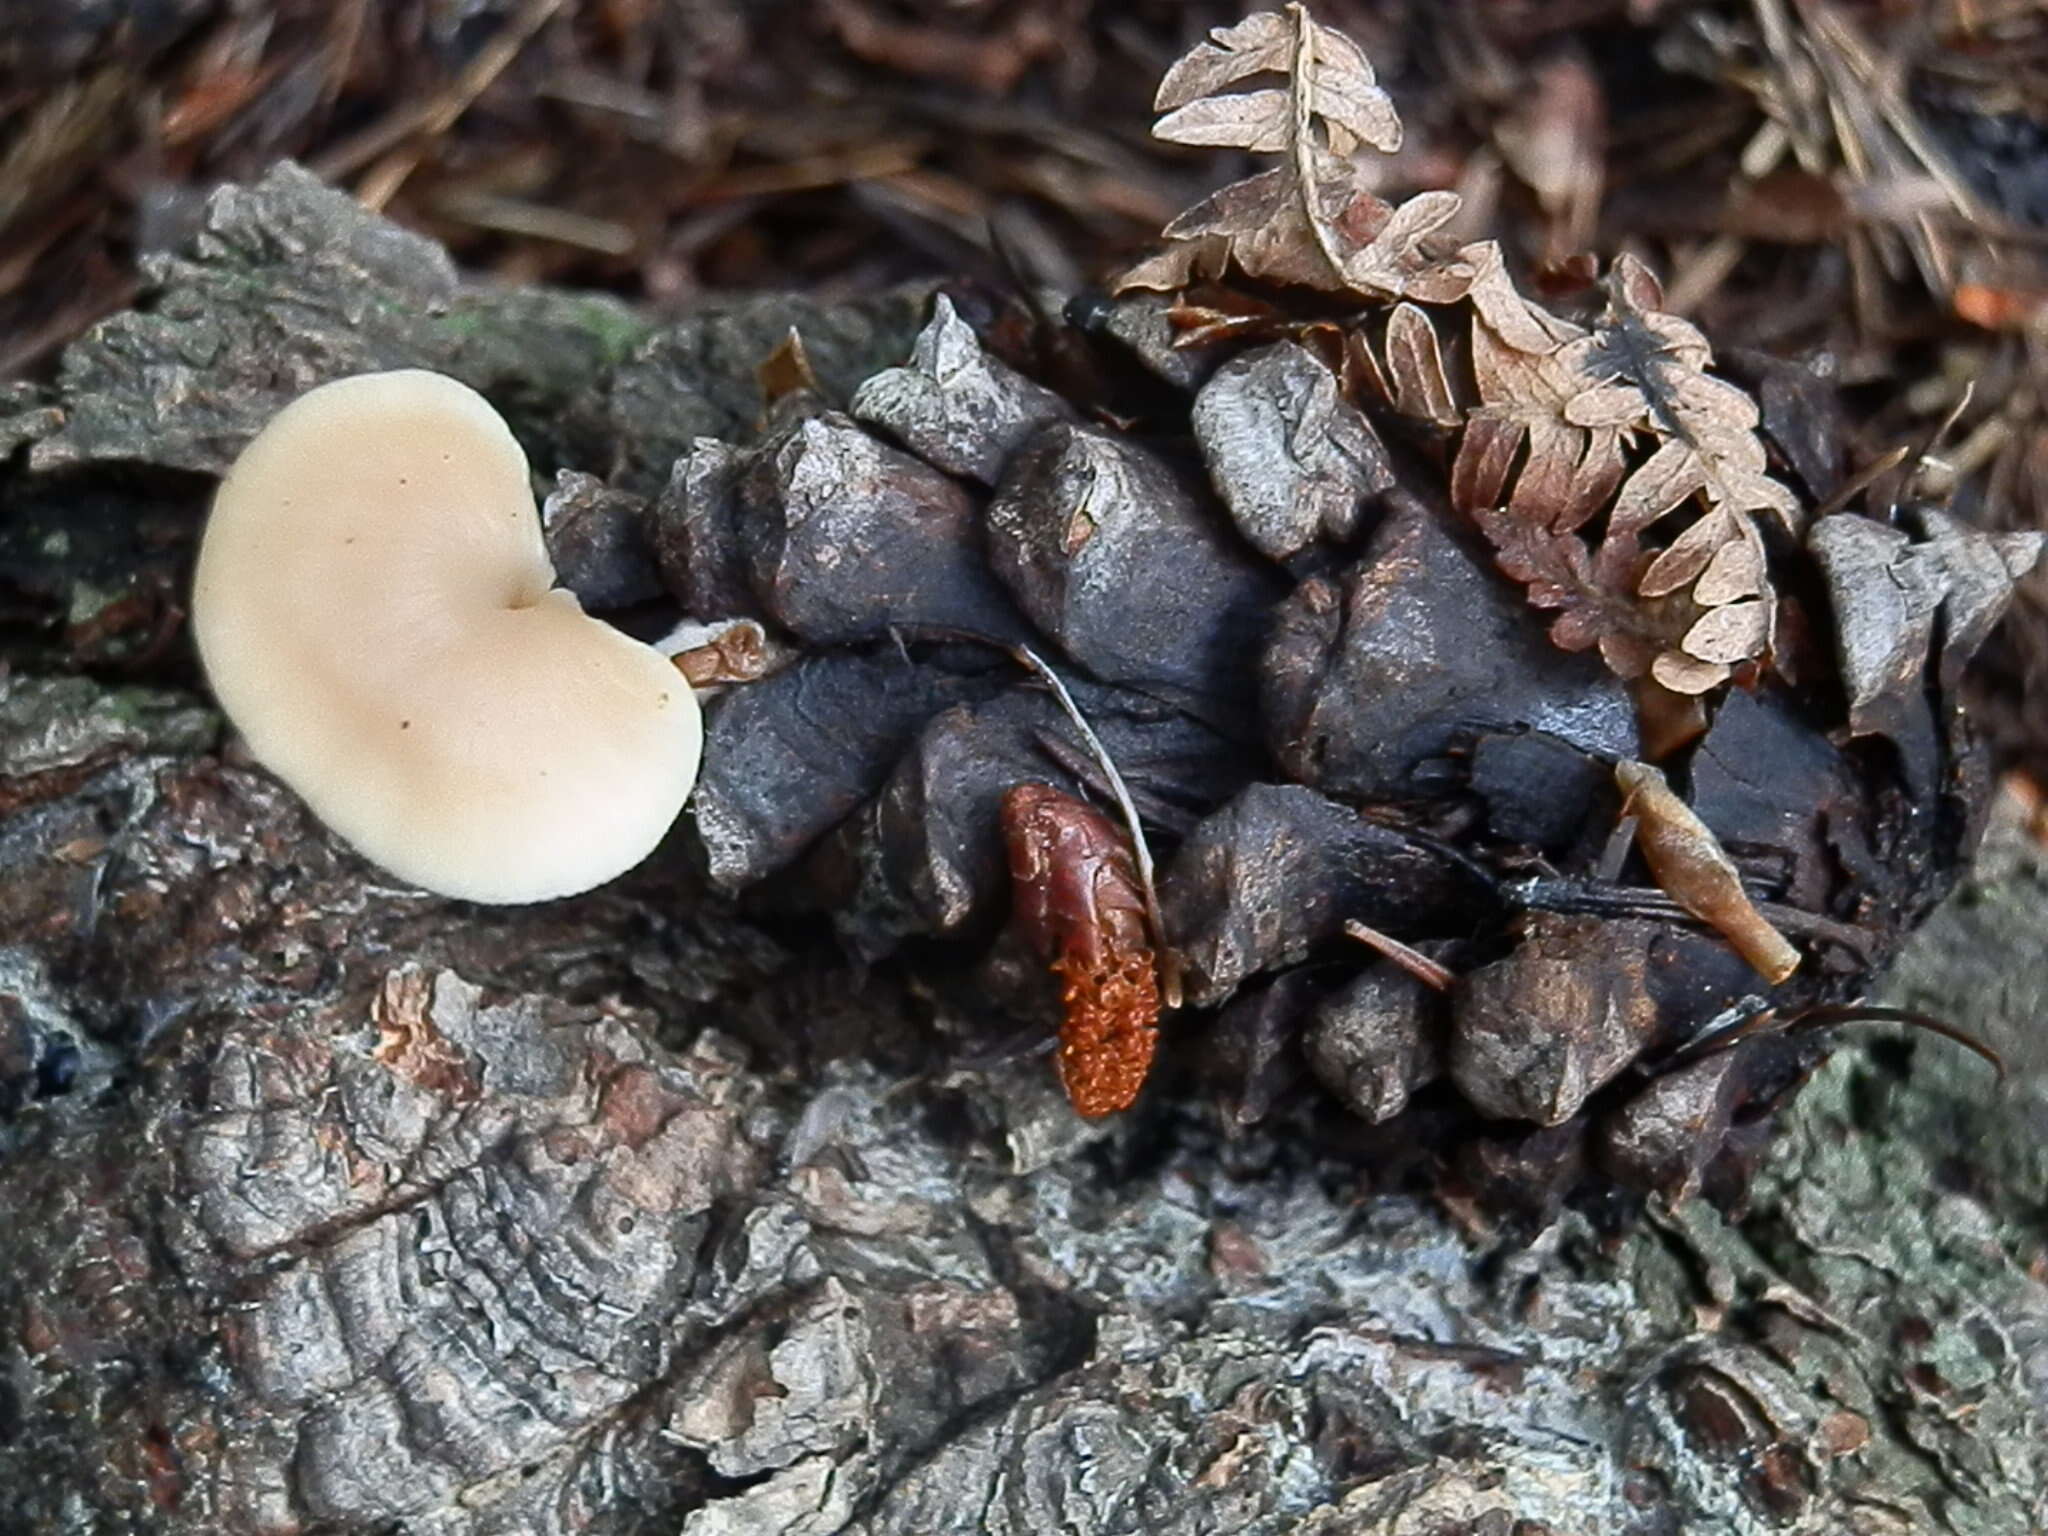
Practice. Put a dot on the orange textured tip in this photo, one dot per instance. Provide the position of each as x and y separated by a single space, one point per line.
1078 899
1109 1034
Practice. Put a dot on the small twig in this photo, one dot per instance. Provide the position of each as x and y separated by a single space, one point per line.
1620 843
1754 1021
1928 461
1862 480
1703 272
1413 961
1563 893
1872 1013
516 216
835 168
1751 1017
1948 422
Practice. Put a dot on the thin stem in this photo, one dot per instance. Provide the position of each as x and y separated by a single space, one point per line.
1425 970
1301 84
1169 962
1873 1013
1765 1020
1565 894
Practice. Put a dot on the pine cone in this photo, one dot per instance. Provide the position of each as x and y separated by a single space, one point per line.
1382 589
1330 708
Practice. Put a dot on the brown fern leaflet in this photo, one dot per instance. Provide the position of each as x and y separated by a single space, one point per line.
1617 478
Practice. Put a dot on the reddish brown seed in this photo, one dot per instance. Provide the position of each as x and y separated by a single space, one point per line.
1078 899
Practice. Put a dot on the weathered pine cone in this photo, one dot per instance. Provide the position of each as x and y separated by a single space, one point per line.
1330 708
1382 586
1287 571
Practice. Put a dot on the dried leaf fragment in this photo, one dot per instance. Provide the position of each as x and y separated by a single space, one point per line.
727 651
787 370
1415 372
1568 470
1620 417
1079 900
1397 258
1645 368
1696 872
1588 587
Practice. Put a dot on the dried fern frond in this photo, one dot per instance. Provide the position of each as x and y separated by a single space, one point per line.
1329 76
1300 222
1552 436
1651 367
1616 426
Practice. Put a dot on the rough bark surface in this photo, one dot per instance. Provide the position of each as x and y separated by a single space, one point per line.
333 1207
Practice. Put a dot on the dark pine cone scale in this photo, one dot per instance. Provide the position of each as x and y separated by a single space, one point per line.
1331 708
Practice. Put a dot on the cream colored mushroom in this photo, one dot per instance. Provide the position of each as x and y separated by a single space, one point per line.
378 616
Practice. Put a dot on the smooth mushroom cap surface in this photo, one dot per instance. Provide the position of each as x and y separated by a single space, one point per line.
377 615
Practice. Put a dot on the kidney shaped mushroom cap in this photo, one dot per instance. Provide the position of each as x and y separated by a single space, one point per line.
377 614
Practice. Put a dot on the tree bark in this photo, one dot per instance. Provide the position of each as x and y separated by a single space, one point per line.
330 1206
